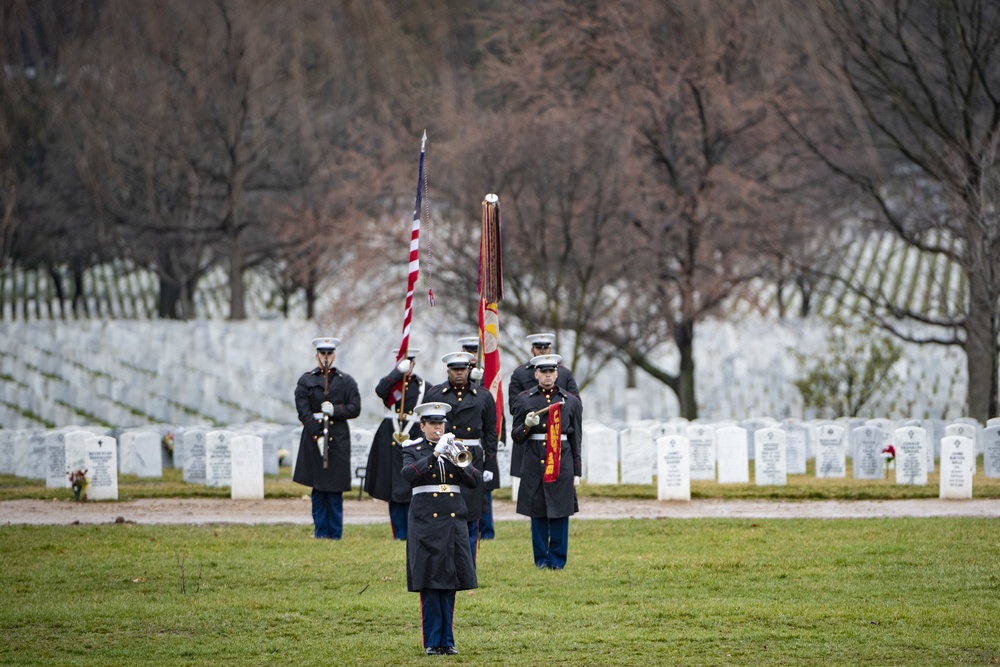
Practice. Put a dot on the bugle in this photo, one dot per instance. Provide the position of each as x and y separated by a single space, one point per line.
456 451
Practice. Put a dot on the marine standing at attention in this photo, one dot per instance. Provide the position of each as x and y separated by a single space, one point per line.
325 398
547 426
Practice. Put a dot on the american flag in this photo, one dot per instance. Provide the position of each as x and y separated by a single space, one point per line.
414 271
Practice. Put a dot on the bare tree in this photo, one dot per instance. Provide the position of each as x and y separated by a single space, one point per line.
909 116
701 152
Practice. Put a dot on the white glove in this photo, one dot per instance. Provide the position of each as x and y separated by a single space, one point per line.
405 366
576 481
441 447
476 374
531 421
487 476
327 408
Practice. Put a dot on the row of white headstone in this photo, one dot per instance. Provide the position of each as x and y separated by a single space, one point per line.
703 452
222 457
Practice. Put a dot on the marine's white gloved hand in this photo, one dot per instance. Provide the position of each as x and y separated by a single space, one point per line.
476 374
441 447
487 476
327 408
576 481
531 421
405 366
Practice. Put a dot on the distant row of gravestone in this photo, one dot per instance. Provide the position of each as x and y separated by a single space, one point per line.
240 458
705 452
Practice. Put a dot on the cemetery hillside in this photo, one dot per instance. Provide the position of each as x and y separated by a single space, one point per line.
549 333
157 387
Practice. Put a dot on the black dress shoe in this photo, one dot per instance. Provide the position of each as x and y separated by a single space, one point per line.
434 650
449 650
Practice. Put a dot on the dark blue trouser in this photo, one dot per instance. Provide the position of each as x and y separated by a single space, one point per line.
486 529
437 610
328 514
550 542
398 513
473 538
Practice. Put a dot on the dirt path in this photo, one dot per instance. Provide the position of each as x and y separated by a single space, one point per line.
297 510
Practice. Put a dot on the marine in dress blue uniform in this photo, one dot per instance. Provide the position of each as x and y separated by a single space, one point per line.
523 378
326 391
548 504
385 458
473 419
438 558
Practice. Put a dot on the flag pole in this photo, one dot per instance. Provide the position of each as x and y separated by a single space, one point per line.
413 272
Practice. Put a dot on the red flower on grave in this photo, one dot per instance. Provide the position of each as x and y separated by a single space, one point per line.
889 453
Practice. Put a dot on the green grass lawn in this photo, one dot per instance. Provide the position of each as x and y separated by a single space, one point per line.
635 592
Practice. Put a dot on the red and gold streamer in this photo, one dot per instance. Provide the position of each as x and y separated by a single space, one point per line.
553 444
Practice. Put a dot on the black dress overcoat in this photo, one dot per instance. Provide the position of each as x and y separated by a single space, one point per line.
385 458
522 379
437 537
473 415
342 391
535 497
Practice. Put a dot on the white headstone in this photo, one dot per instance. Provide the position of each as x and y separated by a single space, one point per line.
247 479
7 452
218 458
274 439
176 438
963 429
956 473
194 455
147 455
928 426
831 451
911 455
769 457
701 443
733 460
102 468
37 456
636 452
866 443
126 440
673 474
600 447
991 450
796 447
55 471
503 461
361 443
76 450
995 421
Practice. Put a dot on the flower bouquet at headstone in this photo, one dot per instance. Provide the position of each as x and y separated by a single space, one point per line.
78 481
888 455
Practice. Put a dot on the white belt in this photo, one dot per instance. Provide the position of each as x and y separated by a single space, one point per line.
318 416
468 442
409 419
437 488
542 436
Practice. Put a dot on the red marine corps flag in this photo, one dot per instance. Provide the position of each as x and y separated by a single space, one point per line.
490 294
